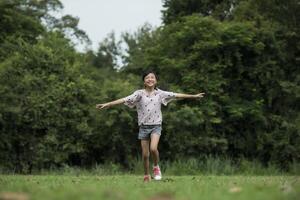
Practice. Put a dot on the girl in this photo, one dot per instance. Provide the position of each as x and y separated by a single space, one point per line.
148 104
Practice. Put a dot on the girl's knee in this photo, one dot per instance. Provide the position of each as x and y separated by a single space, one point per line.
146 155
153 150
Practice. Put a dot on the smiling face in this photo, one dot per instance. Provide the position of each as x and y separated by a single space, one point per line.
150 80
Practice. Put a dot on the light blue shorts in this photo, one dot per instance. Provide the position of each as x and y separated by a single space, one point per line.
145 131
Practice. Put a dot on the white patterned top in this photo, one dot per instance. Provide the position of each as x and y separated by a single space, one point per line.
149 105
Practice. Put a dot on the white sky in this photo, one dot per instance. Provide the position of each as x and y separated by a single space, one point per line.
100 17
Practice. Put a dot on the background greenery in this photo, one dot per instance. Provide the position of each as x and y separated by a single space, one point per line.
244 54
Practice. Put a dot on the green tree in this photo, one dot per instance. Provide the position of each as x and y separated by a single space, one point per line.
29 19
239 65
175 9
108 53
44 105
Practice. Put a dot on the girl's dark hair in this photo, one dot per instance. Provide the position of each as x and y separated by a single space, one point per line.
149 72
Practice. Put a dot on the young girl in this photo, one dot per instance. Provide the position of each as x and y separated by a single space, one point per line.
148 104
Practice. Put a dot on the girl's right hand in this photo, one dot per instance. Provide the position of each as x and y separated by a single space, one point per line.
101 106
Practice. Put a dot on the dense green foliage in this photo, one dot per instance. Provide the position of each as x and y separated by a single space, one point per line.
243 54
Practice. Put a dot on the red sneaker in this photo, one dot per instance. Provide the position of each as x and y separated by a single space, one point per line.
147 178
157 173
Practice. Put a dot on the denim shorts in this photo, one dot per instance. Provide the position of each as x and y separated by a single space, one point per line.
145 131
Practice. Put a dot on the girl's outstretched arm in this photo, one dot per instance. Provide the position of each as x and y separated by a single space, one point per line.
109 104
190 96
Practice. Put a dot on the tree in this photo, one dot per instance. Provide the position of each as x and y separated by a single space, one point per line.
44 105
30 19
239 65
175 9
108 53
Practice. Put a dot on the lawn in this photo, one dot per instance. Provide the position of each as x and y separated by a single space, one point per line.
19 187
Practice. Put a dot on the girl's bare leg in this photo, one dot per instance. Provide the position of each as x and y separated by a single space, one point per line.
145 154
153 148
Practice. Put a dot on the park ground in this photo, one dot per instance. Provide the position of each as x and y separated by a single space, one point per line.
118 187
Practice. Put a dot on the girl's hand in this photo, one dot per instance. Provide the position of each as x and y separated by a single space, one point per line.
101 106
200 95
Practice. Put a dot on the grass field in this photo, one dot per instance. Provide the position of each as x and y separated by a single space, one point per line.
57 187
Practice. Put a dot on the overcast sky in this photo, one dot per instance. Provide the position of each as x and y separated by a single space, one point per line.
100 17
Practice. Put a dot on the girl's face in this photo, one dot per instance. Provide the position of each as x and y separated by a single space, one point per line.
150 80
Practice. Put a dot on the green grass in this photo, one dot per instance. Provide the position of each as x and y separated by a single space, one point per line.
39 187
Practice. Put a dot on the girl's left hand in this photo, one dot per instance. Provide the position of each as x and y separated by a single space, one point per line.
200 95
101 106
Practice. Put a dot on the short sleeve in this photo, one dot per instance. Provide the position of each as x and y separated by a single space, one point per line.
132 99
166 96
